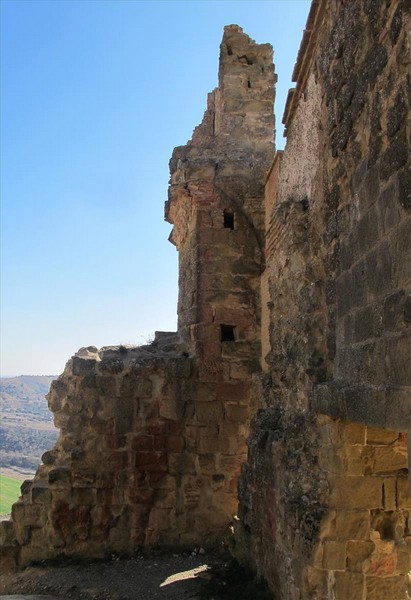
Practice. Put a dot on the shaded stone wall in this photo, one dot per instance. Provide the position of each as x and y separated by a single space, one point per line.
324 501
368 211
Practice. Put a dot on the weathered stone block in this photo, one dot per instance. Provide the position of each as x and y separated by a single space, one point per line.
83 366
122 425
208 443
82 477
175 443
125 407
140 495
357 554
60 477
357 492
170 405
378 436
206 392
25 488
49 457
23 533
390 493
181 463
207 463
209 412
233 392
231 429
403 493
84 496
239 371
8 559
354 433
315 582
60 494
237 413
381 588
40 493
349 585
359 460
173 427
151 461
403 559
352 524
104 480
156 427
35 515
7 533
334 555
142 442
389 459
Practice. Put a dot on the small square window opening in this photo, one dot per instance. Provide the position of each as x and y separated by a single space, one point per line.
228 220
227 333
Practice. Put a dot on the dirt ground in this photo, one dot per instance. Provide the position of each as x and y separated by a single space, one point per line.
185 576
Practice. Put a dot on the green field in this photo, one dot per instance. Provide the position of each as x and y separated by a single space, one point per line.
9 493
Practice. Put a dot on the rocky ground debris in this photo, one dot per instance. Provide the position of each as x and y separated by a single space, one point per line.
197 575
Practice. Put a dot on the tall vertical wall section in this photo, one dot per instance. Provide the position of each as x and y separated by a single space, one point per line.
324 494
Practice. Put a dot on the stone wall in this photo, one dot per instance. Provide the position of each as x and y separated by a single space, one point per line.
324 499
368 126
294 310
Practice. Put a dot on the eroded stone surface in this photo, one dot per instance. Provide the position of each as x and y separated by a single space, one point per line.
323 510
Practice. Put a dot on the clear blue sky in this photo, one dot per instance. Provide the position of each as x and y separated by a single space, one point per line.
95 95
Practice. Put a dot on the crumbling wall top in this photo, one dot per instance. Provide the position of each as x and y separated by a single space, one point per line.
238 125
305 56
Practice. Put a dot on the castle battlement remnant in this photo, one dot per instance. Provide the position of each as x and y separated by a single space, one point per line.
152 438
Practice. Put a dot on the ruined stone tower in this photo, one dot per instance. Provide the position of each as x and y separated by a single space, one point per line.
216 203
152 438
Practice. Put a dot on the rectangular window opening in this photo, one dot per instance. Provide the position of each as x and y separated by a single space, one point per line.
227 333
228 220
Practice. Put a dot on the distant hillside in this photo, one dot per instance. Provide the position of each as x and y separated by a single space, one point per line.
26 424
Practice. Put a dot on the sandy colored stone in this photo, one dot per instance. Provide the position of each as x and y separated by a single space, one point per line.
389 459
349 585
357 492
390 493
357 553
381 588
355 433
378 436
334 556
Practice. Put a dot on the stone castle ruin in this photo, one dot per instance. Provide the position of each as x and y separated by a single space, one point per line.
283 402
